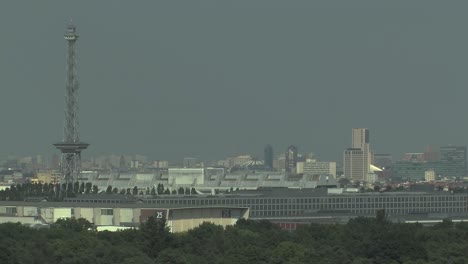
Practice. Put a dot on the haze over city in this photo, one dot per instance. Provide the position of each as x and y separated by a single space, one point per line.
216 78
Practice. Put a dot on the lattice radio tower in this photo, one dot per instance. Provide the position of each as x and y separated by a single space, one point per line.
71 146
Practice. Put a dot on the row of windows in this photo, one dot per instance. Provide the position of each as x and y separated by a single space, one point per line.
394 200
107 211
361 211
197 201
356 206
330 203
11 210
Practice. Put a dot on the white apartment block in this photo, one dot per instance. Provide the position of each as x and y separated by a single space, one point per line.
314 167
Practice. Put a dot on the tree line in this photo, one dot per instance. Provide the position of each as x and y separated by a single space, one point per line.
57 192
361 240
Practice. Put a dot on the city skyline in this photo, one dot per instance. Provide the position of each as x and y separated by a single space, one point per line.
169 82
259 155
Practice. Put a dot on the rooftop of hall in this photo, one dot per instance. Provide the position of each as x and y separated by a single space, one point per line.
106 204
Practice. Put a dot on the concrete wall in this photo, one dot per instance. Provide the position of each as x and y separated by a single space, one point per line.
185 219
178 219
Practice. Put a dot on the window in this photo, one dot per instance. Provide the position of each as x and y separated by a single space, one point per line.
11 210
107 211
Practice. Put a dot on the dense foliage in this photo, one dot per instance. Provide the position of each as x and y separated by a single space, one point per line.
52 192
362 240
57 192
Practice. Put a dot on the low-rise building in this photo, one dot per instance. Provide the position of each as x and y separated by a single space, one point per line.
111 213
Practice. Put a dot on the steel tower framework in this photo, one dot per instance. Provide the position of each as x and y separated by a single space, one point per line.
71 146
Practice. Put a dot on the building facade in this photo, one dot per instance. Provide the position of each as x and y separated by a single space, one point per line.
429 176
268 157
314 167
113 213
359 157
300 204
454 160
291 159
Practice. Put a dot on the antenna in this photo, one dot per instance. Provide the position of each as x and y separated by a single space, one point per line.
71 146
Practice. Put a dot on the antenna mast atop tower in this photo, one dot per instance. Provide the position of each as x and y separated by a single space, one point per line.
71 146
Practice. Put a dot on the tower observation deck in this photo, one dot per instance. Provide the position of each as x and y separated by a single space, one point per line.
71 146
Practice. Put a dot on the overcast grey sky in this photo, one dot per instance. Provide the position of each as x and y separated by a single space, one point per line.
211 79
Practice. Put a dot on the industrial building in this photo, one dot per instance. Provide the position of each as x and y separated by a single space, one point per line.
114 213
205 179
284 203
280 205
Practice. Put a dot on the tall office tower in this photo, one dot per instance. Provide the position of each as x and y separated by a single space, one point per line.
268 153
431 154
453 161
122 162
291 159
359 157
360 138
71 146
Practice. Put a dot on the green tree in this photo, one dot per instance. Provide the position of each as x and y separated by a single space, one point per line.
290 252
73 224
173 256
82 188
181 191
160 189
156 236
88 187
76 187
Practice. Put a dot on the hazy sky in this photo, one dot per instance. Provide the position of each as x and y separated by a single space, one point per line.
211 79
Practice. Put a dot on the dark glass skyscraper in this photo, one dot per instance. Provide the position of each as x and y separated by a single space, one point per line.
453 159
268 152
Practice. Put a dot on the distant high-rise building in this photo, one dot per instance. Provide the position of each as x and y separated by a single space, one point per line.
54 162
454 160
38 162
279 164
314 167
356 164
238 161
291 159
383 160
359 157
189 162
268 153
361 138
410 170
161 164
431 154
429 176
122 163
413 157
